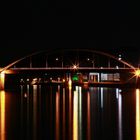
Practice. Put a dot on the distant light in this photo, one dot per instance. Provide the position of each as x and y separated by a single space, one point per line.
3 72
75 67
117 67
120 90
58 78
2 78
88 59
63 80
25 95
137 73
75 78
120 57
57 59
69 83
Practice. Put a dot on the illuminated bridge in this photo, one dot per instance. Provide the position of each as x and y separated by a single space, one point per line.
78 65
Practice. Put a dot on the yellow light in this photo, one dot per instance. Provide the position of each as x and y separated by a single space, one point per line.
70 83
57 115
2 116
137 73
63 80
75 116
2 79
137 114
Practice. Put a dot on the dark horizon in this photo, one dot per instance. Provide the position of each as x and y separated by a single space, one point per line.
32 27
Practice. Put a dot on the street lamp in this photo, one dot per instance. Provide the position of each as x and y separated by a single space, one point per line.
74 67
137 73
92 61
57 59
120 57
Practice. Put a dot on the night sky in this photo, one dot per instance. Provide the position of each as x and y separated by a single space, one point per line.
31 26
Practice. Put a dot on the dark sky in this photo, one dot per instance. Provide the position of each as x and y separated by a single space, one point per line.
32 26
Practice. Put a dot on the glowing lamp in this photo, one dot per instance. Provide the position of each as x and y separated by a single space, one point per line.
74 67
137 73
63 80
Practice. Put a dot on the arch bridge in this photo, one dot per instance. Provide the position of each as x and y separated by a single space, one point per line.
84 64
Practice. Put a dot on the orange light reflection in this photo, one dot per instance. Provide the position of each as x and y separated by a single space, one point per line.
75 116
57 115
70 84
137 114
64 117
2 115
70 113
88 116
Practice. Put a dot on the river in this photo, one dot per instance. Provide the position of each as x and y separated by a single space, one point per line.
51 112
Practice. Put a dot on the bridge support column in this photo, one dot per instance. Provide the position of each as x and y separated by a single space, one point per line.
46 63
2 81
30 62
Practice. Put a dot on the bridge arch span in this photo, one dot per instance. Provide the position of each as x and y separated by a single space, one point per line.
67 50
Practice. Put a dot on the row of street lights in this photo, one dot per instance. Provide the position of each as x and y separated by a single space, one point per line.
92 61
62 63
89 60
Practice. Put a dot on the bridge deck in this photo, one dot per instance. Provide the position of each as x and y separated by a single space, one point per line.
70 68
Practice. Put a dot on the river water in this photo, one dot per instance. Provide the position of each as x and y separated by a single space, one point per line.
69 113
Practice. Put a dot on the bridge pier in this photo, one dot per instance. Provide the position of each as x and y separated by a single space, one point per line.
2 81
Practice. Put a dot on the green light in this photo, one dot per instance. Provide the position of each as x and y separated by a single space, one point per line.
75 78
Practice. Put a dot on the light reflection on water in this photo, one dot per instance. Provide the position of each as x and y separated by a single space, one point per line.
88 117
34 111
2 115
57 113
119 114
71 113
75 115
64 114
137 114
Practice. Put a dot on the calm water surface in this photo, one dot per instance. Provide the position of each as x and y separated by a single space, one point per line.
69 113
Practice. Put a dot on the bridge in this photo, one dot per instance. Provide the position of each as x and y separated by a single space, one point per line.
86 65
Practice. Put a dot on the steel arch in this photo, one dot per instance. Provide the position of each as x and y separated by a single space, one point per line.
66 50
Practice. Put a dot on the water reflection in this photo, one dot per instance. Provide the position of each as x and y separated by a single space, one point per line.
137 114
64 116
75 115
2 115
21 112
72 113
119 97
88 116
102 102
34 112
80 112
28 111
57 113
